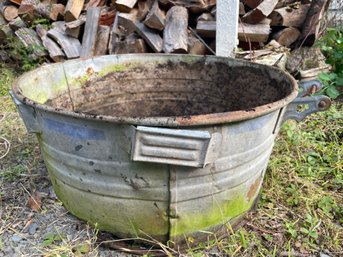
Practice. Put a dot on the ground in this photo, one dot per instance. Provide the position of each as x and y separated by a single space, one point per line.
300 212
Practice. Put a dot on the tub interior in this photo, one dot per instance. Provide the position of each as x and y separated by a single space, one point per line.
150 88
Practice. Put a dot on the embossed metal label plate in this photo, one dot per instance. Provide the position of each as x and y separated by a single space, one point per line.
170 146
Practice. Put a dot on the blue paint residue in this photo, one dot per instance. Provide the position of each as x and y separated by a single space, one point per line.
74 131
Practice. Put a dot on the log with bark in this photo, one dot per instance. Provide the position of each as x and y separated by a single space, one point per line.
289 16
155 19
260 12
102 38
32 9
30 39
151 37
132 44
71 46
287 36
55 52
8 11
17 23
125 5
246 32
90 33
73 10
310 28
175 34
5 30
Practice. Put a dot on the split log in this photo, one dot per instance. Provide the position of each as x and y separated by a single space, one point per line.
5 30
287 36
73 10
131 45
155 18
289 17
251 3
94 3
194 6
75 32
143 9
59 25
26 11
253 32
53 12
205 17
90 33
107 17
17 23
195 46
246 32
310 28
71 46
102 38
17 2
76 23
126 21
9 12
151 37
29 38
284 3
116 35
74 28
260 12
125 5
175 34
55 52
30 9
241 9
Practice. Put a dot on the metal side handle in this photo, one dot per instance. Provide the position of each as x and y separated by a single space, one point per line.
310 104
170 146
28 114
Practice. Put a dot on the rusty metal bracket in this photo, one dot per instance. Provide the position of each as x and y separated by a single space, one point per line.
310 104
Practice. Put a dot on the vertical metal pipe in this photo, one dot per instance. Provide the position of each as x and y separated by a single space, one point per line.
227 27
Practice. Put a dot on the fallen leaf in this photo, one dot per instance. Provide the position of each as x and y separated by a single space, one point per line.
35 201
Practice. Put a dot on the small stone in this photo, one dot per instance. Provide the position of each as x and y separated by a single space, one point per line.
16 238
32 228
324 255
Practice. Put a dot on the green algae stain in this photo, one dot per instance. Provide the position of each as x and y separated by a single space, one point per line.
117 68
204 220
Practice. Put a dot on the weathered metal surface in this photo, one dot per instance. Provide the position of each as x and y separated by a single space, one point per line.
312 104
170 146
209 81
87 117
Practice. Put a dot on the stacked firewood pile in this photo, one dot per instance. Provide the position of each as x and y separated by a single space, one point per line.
67 29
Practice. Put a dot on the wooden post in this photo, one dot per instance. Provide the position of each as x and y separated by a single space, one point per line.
90 33
227 27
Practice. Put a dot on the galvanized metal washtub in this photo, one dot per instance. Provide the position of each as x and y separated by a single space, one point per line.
165 146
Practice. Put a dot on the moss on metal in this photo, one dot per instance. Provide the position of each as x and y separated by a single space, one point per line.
217 215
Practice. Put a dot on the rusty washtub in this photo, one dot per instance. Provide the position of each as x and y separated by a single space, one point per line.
167 146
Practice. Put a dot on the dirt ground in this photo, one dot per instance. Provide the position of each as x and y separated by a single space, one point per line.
33 222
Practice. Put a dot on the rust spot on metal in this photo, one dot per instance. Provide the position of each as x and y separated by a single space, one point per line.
253 188
89 71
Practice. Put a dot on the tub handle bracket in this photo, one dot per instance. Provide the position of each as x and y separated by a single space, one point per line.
28 115
170 146
310 104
